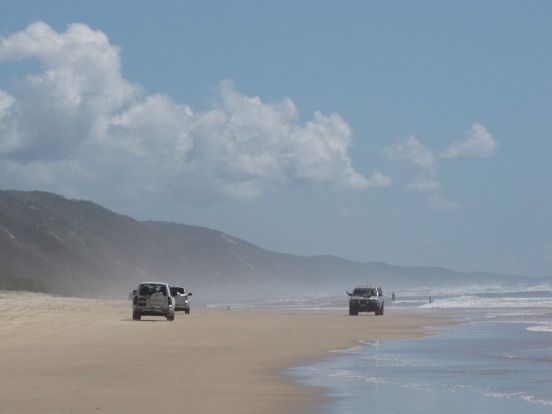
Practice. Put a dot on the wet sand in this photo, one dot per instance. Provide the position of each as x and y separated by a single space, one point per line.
70 355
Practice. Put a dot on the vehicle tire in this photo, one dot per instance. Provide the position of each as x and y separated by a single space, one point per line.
377 312
157 300
353 311
381 311
187 311
136 317
170 317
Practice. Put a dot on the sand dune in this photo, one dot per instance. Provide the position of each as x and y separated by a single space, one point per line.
70 355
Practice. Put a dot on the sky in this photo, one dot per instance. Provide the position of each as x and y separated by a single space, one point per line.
411 133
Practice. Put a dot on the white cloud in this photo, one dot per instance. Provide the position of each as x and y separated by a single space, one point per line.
478 144
423 183
418 156
80 85
80 124
6 101
424 163
411 150
9 139
379 180
437 202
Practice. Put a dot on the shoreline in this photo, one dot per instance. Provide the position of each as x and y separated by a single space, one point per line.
404 325
87 355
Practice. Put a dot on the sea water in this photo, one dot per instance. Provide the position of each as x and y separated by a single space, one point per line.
499 360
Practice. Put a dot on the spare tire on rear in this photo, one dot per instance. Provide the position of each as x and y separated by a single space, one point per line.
157 300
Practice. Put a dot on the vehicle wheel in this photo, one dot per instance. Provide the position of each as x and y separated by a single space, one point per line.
187 311
381 311
170 317
136 317
353 311
378 311
157 300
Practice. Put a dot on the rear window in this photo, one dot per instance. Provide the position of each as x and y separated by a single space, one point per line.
151 288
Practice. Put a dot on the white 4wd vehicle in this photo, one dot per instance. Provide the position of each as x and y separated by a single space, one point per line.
153 299
181 298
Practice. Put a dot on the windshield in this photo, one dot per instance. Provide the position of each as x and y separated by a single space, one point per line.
364 292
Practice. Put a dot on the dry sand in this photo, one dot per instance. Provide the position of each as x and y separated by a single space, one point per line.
69 355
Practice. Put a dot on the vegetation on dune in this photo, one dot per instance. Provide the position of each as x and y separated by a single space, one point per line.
14 280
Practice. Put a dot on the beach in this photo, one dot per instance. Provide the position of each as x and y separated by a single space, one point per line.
64 355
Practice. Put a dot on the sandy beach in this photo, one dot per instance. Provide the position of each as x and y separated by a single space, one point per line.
70 355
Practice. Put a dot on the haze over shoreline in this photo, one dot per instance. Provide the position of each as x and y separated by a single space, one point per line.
77 248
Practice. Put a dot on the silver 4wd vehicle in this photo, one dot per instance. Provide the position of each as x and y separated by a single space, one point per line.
153 299
181 298
366 299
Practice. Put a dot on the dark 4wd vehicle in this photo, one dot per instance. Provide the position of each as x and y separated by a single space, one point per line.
366 299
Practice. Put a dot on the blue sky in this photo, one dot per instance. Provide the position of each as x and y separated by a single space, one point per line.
413 133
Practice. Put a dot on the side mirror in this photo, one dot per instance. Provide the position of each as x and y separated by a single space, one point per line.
189 293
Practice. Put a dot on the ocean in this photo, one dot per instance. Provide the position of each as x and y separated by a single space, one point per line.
498 360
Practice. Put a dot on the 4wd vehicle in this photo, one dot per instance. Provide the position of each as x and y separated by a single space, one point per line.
366 299
180 295
153 299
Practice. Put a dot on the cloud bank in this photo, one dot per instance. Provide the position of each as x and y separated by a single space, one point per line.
75 125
